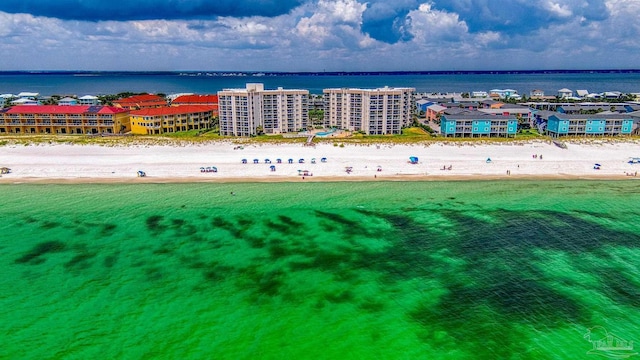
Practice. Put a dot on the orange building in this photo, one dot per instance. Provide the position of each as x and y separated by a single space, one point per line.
57 119
144 101
170 119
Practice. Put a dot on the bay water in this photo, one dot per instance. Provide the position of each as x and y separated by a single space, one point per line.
336 270
99 83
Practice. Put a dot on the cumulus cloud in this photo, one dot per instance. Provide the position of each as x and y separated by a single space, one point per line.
387 21
431 26
96 10
333 24
311 35
522 16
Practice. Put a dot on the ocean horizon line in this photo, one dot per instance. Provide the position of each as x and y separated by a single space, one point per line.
258 73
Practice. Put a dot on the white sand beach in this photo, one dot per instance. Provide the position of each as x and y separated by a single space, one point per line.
182 163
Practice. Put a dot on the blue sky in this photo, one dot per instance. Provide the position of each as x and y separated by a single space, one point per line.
319 35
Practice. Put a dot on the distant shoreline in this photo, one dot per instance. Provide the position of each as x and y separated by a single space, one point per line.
259 73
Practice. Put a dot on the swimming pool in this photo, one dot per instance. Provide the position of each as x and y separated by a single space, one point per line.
326 133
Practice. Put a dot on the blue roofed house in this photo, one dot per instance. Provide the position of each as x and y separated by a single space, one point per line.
478 124
601 124
423 104
631 107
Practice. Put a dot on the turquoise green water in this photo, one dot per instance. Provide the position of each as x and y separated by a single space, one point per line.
401 270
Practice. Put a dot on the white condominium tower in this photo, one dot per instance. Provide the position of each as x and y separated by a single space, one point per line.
372 111
244 111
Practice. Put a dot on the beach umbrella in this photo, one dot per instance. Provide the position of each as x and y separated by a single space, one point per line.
413 159
244 161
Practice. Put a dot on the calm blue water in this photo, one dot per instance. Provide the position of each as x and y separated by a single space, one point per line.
168 83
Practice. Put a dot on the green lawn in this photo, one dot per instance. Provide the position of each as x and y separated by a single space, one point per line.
409 135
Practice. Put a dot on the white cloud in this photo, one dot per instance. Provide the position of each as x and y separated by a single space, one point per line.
332 22
326 35
23 28
560 10
431 26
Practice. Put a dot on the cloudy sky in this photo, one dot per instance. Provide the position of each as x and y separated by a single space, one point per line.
319 35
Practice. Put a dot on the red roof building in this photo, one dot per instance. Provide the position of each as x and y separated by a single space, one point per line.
57 119
62 109
211 100
140 102
196 100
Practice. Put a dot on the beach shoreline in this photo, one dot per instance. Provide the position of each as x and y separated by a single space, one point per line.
293 162
355 179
